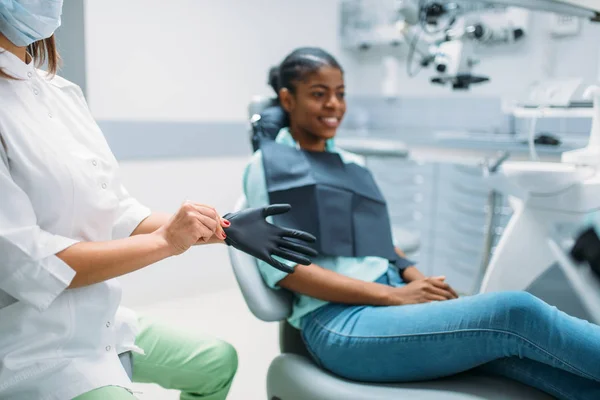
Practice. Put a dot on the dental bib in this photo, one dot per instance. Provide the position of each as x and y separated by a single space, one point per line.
338 203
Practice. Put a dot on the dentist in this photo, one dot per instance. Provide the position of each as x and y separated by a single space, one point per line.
68 228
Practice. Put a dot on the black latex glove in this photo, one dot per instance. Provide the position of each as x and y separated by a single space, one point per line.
251 233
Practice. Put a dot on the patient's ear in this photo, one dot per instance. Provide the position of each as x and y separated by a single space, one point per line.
286 99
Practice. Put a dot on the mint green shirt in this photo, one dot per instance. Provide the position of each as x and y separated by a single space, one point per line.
367 269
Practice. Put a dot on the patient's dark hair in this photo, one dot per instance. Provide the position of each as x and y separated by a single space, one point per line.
298 65
274 79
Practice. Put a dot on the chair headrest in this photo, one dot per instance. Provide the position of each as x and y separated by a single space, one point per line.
265 303
267 118
258 104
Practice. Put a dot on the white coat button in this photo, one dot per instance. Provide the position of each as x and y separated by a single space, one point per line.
50 115
29 74
104 186
36 92
108 324
94 163
108 348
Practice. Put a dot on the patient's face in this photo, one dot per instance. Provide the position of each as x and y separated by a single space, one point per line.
319 104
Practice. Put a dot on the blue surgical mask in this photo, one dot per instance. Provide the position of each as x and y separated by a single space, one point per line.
26 21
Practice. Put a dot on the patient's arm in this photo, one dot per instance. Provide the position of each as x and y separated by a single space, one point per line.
314 281
321 283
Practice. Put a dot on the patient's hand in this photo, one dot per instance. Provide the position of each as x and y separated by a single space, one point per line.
421 291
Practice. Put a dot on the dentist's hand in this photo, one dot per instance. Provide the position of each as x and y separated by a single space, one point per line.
193 224
252 234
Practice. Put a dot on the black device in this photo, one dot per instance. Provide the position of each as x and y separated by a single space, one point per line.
587 249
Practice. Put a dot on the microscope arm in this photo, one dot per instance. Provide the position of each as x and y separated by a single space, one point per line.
577 8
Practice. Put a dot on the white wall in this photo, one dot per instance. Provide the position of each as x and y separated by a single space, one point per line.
198 60
194 60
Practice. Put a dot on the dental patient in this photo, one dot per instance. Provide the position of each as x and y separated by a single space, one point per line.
365 312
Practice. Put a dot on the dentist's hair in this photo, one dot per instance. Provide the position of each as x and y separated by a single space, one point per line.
43 51
301 63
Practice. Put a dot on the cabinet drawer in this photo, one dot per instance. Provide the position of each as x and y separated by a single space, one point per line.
423 260
415 222
472 215
393 167
463 191
416 207
467 250
396 190
464 257
462 280
461 171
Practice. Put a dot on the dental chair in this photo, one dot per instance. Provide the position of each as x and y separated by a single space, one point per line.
294 376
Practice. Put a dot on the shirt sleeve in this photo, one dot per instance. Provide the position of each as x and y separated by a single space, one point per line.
255 189
29 269
130 214
403 263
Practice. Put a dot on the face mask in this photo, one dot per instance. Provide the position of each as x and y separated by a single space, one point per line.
26 21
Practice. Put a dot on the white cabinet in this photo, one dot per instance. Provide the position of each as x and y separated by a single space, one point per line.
446 205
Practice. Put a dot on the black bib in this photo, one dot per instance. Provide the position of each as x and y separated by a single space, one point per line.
338 203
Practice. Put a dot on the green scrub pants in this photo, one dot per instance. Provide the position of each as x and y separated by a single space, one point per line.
201 367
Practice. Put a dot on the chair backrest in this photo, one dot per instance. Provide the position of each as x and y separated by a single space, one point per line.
258 104
266 120
265 303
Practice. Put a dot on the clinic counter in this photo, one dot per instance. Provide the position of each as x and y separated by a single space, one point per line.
458 146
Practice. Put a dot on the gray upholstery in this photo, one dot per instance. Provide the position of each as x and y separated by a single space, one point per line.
258 105
294 376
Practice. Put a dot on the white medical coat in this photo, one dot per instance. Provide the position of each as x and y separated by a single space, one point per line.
59 185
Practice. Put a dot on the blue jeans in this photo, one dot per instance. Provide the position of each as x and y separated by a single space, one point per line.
512 334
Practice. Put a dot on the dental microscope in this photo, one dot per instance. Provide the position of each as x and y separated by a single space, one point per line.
449 31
